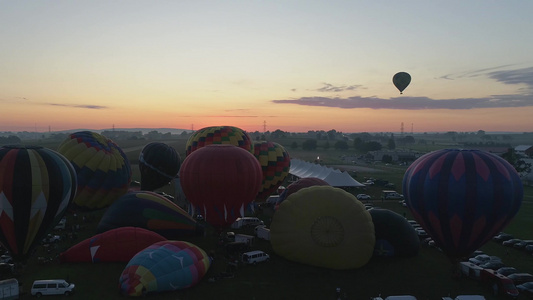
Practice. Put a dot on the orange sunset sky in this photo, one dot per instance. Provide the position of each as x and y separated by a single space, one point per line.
296 65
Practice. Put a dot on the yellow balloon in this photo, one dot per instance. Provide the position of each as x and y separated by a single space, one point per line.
323 226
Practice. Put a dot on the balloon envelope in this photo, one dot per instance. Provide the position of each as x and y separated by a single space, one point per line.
228 135
462 198
401 80
115 245
164 266
220 181
275 164
36 187
394 235
150 211
300 184
159 164
103 170
325 227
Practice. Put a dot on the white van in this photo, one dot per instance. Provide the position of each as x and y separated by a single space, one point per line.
247 221
51 287
9 289
253 257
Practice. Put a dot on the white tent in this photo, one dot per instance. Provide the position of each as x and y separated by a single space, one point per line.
334 177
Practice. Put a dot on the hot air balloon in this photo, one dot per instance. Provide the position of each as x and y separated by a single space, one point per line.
36 187
220 181
401 80
159 164
102 169
275 164
298 185
394 235
116 245
325 227
219 135
462 198
150 211
164 266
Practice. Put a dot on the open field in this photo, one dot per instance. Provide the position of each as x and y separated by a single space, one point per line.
427 275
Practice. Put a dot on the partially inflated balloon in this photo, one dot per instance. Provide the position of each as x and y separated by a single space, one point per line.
159 164
36 187
229 135
115 245
275 164
462 198
298 185
401 80
220 181
102 168
164 266
394 235
325 227
151 211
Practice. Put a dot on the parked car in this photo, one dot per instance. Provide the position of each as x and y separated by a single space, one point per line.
5 258
363 197
492 264
507 271
511 242
529 248
501 237
61 225
482 258
49 239
526 288
523 244
422 234
519 278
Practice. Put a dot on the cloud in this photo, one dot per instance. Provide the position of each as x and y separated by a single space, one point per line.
520 76
413 103
328 87
88 106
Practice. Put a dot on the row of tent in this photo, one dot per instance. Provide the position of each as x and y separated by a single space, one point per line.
333 177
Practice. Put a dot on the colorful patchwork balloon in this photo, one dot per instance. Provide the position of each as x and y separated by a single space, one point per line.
164 266
150 211
462 198
36 187
219 135
102 169
275 164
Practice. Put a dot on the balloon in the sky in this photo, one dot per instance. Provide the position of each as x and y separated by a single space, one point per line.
164 266
394 235
159 164
275 164
102 169
220 181
401 80
115 245
36 187
462 198
325 227
150 211
219 135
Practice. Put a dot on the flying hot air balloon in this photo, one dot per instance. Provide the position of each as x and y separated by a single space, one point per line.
103 170
36 187
401 80
219 135
220 180
159 164
462 198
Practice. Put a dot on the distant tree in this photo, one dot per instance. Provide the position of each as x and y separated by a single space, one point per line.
341 145
358 143
12 139
309 144
386 159
516 160
391 145
372 146
332 134
278 134
326 145
294 145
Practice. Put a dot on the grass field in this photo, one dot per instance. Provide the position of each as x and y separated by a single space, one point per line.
427 275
